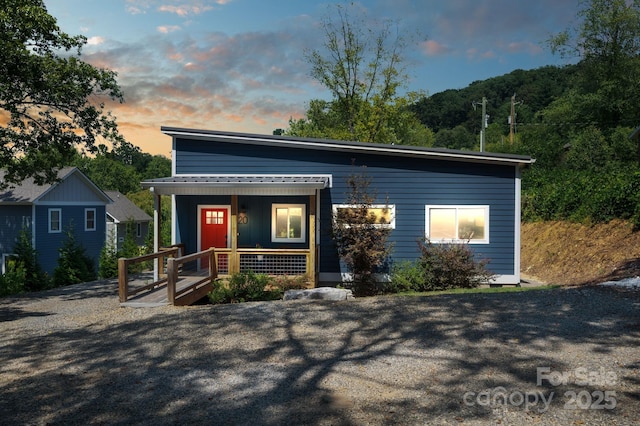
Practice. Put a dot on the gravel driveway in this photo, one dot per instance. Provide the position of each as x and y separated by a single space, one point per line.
73 356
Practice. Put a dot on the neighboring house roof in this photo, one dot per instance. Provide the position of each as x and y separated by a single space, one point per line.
30 193
122 209
334 145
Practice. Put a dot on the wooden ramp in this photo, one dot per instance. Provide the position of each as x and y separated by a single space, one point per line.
178 286
186 293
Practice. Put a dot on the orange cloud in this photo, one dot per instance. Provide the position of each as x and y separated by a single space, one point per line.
166 29
185 10
433 48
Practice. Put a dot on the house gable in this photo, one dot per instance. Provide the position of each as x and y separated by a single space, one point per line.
74 188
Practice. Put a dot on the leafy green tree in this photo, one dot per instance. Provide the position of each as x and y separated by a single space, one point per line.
53 101
607 41
158 167
457 138
144 200
110 174
362 65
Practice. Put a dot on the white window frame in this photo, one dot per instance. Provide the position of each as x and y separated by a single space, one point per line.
138 229
59 230
303 225
428 209
86 219
391 207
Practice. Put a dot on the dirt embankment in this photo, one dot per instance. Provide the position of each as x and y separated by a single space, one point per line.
570 253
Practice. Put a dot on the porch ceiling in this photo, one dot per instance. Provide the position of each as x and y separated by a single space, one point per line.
239 184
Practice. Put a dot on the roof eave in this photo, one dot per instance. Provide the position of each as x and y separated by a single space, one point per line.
334 145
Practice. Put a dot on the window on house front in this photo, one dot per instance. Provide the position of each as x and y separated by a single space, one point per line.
381 215
138 229
55 220
89 219
288 223
458 224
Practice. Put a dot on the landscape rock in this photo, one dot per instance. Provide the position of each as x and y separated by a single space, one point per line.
319 293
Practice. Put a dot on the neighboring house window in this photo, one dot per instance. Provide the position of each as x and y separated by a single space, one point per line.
458 224
138 229
55 220
288 223
385 215
89 219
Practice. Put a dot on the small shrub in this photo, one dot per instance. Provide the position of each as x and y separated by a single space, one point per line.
446 266
220 293
108 262
284 283
244 287
13 281
74 266
360 241
405 276
34 278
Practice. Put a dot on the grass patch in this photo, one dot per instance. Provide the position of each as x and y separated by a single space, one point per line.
482 290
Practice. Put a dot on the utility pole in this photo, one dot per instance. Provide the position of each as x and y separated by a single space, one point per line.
485 120
512 118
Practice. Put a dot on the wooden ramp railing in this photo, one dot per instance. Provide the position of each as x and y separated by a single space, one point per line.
190 292
182 287
125 290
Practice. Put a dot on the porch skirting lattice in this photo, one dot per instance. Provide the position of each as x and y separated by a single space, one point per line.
274 264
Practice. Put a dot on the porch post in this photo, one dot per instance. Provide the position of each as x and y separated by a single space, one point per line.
311 266
234 261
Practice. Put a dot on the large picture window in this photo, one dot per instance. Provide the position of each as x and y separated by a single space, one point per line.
288 223
55 220
458 224
383 215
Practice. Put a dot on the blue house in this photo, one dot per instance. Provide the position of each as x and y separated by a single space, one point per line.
48 211
266 202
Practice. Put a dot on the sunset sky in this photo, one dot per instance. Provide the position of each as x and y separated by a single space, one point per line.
238 65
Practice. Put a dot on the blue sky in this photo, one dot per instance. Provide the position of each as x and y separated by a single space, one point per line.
239 65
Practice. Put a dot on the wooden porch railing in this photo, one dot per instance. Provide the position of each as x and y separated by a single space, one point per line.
290 262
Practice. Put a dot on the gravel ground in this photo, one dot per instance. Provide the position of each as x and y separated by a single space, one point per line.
73 356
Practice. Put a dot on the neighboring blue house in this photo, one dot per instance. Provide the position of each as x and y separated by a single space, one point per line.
266 202
47 211
123 213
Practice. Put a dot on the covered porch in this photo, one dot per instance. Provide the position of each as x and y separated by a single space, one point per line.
267 224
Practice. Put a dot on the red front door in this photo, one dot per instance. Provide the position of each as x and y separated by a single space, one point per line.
214 228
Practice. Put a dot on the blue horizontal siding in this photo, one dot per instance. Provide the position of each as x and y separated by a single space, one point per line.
48 244
12 220
406 182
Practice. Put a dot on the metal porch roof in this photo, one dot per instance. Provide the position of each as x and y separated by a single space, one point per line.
239 184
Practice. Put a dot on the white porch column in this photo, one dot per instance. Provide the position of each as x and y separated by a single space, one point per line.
157 237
